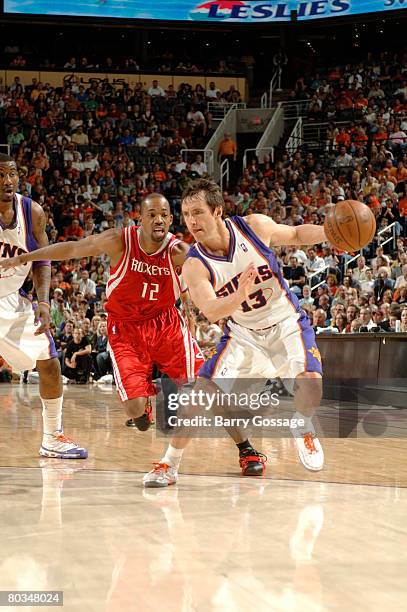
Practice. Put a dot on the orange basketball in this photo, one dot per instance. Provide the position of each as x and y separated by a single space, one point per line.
350 225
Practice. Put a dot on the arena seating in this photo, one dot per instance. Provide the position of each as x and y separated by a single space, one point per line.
89 154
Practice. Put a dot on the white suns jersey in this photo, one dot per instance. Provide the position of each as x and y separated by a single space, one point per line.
15 239
271 301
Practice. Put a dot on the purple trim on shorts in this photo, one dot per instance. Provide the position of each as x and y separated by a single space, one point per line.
209 366
193 252
40 263
31 242
24 294
52 350
313 356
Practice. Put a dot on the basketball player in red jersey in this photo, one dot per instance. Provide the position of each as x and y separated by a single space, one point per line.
144 326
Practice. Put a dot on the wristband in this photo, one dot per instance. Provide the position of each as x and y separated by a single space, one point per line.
42 262
46 303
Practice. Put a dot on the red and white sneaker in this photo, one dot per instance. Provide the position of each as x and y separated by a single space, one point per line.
252 462
59 446
310 451
162 475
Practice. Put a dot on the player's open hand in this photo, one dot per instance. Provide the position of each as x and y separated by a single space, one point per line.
246 282
42 318
10 262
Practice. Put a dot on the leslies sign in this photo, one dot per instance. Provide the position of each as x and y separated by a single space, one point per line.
237 11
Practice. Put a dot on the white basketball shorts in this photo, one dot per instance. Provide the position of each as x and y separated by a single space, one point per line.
18 344
285 351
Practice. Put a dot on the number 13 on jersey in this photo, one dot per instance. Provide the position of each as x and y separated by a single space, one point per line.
150 291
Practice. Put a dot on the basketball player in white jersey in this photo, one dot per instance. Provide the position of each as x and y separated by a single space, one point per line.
25 342
232 273
133 370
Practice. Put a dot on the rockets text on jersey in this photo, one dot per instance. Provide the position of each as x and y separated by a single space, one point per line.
142 285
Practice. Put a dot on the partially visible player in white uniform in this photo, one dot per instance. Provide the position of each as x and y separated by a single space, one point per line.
25 342
232 273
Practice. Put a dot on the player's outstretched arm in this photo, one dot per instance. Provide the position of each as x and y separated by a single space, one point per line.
109 242
277 234
204 297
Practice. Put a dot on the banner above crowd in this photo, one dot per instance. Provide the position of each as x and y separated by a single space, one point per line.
234 11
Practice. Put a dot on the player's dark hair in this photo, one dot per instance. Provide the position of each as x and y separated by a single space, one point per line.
210 189
4 159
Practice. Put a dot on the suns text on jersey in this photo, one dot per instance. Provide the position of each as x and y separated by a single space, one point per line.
10 250
264 273
145 268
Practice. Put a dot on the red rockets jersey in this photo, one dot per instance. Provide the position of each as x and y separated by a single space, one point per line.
141 286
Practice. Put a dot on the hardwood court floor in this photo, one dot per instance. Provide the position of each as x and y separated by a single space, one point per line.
291 541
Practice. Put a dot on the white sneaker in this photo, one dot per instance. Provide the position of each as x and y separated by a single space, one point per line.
105 380
162 475
310 451
59 446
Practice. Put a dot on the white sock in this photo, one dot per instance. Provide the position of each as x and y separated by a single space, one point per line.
52 415
308 426
173 456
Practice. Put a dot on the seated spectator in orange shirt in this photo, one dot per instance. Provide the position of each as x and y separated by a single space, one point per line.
343 138
344 101
73 231
373 202
403 206
360 138
361 102
304 198
334 74
159 174
400 172
380 136
66 287
135 213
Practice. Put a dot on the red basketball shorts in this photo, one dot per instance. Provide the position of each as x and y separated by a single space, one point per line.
164 341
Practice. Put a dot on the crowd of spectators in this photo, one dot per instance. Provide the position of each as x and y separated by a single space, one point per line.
361 112
165 61
89 154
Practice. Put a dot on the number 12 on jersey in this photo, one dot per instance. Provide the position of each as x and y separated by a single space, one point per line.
150 291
